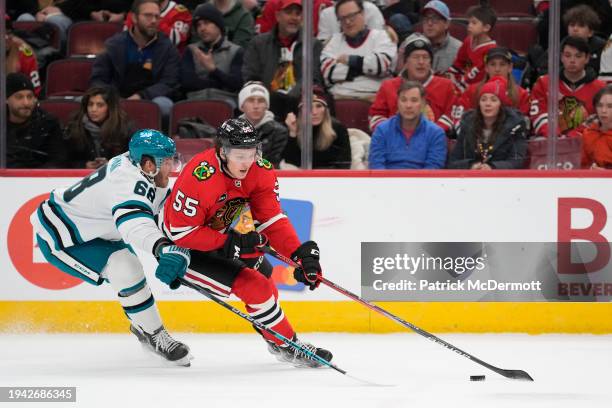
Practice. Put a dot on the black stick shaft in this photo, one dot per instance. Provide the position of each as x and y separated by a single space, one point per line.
259 325
514 374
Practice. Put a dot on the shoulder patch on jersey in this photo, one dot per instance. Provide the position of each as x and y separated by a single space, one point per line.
114 164
26 50
203 171
264 164
181 8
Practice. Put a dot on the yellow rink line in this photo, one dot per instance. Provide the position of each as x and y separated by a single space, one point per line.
325 316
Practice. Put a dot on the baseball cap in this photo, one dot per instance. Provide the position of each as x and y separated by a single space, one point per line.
439 7
287 3
498 52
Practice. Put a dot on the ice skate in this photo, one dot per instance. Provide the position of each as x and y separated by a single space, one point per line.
292 355
162 344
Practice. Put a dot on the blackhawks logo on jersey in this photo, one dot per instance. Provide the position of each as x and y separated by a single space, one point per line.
203 171
264 164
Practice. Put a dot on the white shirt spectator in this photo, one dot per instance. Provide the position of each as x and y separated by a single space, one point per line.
328 23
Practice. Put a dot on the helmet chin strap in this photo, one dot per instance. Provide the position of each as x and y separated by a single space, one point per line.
149 175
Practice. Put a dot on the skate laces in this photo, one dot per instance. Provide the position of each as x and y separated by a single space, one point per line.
300 354
164 342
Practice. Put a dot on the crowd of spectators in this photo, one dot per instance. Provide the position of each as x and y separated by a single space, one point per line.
435 101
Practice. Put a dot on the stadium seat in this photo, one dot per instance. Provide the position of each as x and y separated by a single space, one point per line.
212 112
32 26
516 34
187 148
459 7
68 77
569 151
87 37
353 113
61 109
456 29
513 8
144 114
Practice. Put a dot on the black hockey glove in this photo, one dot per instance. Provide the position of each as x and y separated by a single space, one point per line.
238 244
307 256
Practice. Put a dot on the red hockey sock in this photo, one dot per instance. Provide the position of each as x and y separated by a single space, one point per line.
260 297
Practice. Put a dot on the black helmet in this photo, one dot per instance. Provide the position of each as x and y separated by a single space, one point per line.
238 134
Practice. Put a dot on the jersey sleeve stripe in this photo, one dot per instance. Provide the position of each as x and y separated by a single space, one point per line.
50 228
132 204
132 215
61 215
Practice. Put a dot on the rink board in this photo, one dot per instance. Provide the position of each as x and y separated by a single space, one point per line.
347 208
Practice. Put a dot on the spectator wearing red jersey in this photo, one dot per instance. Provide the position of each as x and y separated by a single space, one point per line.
267 19
577 86
493 136
20 58
468 67
440 93
498 62
597 138
175 22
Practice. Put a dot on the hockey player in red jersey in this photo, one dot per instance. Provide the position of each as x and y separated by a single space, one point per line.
468 67
440 93
209 193
175 22
577 86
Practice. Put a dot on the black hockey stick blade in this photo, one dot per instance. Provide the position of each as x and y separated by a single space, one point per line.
513 374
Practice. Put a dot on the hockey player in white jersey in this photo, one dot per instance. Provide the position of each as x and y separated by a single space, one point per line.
89 231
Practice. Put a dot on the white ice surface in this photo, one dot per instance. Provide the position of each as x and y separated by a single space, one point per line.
112 371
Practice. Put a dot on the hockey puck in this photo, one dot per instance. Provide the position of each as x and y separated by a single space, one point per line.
477 377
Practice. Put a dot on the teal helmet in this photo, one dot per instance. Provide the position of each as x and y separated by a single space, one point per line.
152 143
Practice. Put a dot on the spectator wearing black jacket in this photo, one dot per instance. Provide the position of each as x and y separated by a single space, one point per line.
254 101
33 137
141 63
211 68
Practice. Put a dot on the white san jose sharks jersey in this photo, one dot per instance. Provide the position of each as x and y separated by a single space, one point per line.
115 202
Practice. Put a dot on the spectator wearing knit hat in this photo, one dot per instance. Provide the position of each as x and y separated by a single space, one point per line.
493 136
211 68
33 137
440 93
239 23
254 102
436 20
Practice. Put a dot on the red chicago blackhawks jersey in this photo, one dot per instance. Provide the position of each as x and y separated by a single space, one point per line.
175 23
440 94
205 201
575 105
469 100
28 65
468 67
267 19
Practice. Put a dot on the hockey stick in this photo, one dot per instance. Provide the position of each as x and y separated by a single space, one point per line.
513 374
270 331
